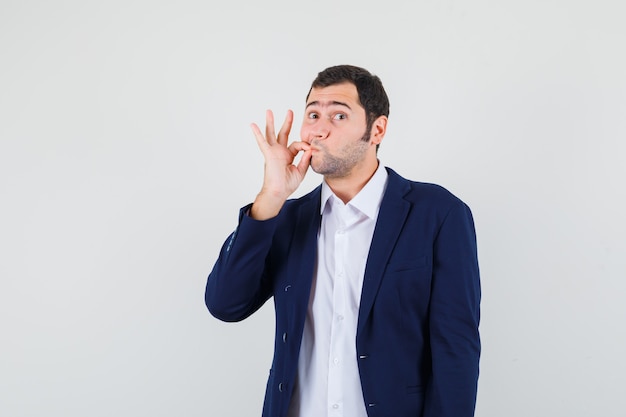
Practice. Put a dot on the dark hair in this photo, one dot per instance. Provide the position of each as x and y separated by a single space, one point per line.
372 95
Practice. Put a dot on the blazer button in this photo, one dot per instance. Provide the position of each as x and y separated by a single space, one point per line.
280 387
284 337
287 288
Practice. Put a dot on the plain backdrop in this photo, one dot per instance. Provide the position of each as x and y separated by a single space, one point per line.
126 151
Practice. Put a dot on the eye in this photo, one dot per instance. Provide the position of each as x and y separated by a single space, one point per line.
339 116
313 115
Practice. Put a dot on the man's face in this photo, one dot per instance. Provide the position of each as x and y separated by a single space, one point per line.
335 127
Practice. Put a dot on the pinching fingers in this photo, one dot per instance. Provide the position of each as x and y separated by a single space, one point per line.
305 162
296 147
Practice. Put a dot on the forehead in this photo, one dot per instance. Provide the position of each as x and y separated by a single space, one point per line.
337 93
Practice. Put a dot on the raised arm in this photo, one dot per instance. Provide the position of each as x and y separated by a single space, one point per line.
241 280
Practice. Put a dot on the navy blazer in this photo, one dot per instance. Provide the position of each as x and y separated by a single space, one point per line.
417 340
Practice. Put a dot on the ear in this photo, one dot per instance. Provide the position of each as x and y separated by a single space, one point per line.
379 128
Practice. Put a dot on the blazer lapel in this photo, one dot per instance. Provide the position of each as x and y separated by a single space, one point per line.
391 217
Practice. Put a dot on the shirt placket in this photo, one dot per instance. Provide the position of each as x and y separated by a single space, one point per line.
335 360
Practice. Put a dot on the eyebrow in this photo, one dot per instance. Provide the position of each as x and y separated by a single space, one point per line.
327 104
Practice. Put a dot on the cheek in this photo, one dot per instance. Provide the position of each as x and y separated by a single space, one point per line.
304 133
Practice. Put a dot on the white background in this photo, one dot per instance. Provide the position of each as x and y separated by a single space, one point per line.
126 152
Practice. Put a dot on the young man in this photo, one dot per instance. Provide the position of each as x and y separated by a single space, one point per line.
375 278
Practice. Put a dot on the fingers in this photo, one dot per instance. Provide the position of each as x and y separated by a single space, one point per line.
270 134
305 162
260 139
283 134
296 147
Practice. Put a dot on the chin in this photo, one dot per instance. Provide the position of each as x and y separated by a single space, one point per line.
317 170
316 165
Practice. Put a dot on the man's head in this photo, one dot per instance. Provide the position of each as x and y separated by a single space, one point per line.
345 121
372 95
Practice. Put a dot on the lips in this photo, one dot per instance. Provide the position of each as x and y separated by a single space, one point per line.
315 147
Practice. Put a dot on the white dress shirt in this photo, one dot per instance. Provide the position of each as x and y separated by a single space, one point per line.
328 382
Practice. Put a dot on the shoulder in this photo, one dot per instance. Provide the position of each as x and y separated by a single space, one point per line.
308 202
422 193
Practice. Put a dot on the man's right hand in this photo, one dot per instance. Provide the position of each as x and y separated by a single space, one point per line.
281 176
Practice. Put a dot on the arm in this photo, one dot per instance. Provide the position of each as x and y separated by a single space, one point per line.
238 285
454 318
240 281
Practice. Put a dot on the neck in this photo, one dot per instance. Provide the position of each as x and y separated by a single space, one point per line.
348 186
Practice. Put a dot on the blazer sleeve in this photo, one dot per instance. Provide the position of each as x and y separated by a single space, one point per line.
454 318
239 285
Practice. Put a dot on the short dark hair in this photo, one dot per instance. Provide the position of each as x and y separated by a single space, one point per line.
372 95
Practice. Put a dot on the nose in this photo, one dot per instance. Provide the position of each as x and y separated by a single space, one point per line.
320 135
321 130
317 130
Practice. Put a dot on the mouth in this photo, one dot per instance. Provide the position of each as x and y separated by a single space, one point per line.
315 147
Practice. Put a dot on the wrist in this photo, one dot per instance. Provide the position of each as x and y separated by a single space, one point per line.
266 205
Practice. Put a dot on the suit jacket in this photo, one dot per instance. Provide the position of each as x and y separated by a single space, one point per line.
417 338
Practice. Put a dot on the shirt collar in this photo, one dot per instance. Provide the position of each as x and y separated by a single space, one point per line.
368 199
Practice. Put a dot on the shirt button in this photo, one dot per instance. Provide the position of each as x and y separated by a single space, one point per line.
336 361
340 232
340 317
335 406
